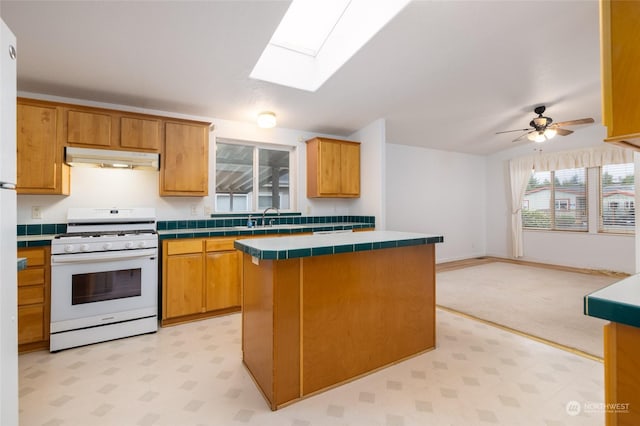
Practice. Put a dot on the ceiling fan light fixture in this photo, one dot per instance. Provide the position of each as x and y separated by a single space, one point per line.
550 133
540 121
266 120
536 137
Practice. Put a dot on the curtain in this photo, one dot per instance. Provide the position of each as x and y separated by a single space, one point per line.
520 171
590 157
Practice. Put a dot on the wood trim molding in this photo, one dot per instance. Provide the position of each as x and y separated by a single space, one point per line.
465 263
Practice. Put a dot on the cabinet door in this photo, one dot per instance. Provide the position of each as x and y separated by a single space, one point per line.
88 128
183 292
185 160
31 324
39 154
138 133
620 25
34 299
329 167
350 169
222 280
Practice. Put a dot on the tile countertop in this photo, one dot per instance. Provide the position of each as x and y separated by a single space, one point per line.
260 230
321 244
619 302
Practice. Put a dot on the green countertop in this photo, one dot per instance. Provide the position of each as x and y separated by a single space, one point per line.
618 302
334 243
261 230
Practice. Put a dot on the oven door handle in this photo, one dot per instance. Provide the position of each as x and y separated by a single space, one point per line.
102 256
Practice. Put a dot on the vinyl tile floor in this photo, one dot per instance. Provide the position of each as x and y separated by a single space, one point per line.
192 374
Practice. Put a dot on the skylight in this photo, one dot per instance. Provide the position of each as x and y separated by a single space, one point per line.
316 37
305 29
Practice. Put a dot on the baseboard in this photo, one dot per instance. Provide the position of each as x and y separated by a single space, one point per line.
465 263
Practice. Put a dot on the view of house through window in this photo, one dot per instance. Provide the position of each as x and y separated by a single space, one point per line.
617 198
251 177
556 200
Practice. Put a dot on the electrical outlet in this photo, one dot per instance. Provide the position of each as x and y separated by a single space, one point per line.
194 210
207 210
36 212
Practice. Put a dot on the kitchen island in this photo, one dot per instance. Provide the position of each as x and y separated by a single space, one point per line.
321 310
620 304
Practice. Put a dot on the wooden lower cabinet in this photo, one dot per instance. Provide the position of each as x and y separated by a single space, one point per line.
222 285
200 279
34 287
183 295
621 374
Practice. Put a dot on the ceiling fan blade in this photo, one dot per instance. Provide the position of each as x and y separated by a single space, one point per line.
563 132
575 122
519 138
517 130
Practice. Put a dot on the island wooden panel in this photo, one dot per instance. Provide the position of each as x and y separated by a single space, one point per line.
622 374
271 327
315 322
364 310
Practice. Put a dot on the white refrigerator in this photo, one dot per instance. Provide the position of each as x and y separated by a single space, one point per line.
8 255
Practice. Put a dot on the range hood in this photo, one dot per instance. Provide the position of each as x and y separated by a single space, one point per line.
86 157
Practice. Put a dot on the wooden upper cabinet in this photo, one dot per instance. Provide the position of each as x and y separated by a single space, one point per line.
140 133
40 167
98 128
333 168
350 169
185 159
620 36
89 128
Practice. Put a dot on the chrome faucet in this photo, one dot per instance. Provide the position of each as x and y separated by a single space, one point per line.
264 213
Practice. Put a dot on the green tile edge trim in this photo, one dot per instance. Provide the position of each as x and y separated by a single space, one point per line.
619 312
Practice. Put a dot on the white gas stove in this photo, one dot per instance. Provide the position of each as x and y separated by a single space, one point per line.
104 272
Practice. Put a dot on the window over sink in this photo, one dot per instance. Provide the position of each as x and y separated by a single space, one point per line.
252 177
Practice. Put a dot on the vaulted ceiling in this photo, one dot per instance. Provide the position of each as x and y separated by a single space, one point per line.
444 74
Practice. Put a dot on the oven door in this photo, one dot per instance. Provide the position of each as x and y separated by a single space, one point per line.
89 289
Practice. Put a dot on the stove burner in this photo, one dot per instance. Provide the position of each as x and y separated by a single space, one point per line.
104 234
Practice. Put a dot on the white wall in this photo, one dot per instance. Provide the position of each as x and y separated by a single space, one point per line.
438 192
585 250
130 188
372 172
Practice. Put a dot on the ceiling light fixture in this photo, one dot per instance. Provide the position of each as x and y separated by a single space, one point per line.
549 133
542 135
537 136
266 120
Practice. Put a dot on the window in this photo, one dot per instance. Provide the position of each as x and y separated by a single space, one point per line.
556 200
617 198
241 168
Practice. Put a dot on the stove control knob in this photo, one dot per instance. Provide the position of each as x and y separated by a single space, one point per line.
68 248
128 244
106 246
142 244
84 247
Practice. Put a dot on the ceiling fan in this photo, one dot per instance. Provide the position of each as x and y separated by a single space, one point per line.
543 128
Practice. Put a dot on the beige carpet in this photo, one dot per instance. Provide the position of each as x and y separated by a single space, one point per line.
542 302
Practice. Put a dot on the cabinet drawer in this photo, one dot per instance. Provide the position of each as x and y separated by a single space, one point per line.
183 246
220 244
31 276
30 295
35 257
31 324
